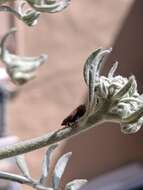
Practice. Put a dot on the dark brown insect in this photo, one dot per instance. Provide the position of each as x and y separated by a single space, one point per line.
70 120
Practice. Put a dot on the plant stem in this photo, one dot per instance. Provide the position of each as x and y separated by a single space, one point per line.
48 139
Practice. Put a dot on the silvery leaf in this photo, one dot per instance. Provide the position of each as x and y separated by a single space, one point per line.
131 99
30 17
14 177
133 89
46 163
113 70
134 117
61 5
100 60
59 169
103 89
48 5
40 187
131 128
90 74
76 184
125 89
22 165
95 63
20 69
87 66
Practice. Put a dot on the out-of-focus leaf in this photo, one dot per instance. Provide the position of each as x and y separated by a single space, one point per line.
75 184
46 164
20 69
59 169
22 165
48 5
14 177
30 17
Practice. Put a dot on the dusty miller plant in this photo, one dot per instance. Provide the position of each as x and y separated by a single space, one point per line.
111 98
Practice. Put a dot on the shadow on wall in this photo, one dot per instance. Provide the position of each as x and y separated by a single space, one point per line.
104 148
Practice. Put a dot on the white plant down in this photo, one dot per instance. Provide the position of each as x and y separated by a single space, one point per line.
115 97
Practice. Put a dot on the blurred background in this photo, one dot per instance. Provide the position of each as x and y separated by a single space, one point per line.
41 105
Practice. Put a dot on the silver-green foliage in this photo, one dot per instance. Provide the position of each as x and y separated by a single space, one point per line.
30 15
20 69
43 181
115 98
